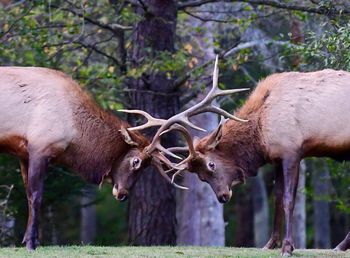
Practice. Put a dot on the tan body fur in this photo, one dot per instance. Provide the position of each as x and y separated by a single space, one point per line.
29 102
306 112
297 113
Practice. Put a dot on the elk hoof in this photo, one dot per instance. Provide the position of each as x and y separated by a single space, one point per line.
31 244
340 248
272 244
287 248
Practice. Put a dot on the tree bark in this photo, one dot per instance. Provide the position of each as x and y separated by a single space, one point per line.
88 215
261 210
200 215
244 235
299 216
152 201
7 232
321 188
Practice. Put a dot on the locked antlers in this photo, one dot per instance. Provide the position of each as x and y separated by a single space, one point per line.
180 121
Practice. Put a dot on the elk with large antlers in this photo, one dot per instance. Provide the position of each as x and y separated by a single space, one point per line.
290 116
47 118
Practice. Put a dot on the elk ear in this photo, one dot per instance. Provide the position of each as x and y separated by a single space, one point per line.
214 138
196 140
127 137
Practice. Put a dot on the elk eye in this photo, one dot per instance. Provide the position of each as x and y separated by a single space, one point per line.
136 162
211 165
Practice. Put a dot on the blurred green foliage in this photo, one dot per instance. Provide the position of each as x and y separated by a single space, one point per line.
328 48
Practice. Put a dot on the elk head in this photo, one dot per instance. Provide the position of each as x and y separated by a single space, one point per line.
213 164
126 170
207 162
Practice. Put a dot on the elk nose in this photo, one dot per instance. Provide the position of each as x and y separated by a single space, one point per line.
120 194
122 197
224 198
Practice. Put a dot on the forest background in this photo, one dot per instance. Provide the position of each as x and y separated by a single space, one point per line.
157 55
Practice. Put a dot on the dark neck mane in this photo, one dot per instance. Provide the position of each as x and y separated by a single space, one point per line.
97 145
242 141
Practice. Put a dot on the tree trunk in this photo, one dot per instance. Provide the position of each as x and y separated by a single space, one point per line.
152 201
200 215
244 235
299 225
7 221
53 229
88 215
321 188
7 232
261 210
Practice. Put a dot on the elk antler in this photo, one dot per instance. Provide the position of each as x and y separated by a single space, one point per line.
183 117
151 121
158 165
179 121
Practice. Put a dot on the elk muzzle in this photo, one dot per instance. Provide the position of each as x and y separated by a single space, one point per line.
120 194
225 196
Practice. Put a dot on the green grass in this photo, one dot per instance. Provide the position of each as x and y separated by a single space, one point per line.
178 252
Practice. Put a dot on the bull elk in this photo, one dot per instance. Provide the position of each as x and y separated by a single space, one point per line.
47 118
289 116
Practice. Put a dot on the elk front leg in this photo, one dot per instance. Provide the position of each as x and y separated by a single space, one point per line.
24 173
275 239
344 245
35 184
290 179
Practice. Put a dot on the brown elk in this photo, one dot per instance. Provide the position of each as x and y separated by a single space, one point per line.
290 116
47 118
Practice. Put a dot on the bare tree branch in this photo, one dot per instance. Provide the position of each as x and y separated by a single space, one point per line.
112 27
15 22
295 7
254 43
224 54
194 3
94 48
206 19
274 3
10 6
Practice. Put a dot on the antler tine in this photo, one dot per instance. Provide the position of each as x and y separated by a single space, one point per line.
215 92
226 92
162 172
222 112
151 121
187 136
178 149
175 174
192 153
166 151
167 162
186 121
216 74
203 106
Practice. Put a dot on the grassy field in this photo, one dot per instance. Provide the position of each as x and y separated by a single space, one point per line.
178 252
